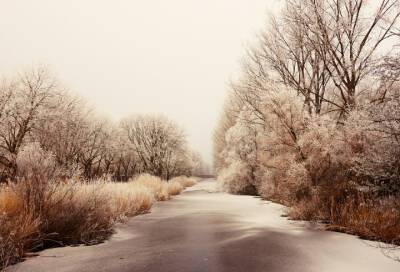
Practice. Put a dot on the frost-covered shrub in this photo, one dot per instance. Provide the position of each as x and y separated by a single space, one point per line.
236 178
274 178
327 156
298 181
33 161
323 172
375 133
288 184
37 178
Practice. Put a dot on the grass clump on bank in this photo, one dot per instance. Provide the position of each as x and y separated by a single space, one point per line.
35 215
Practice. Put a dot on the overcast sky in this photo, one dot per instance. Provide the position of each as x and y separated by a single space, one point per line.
128 56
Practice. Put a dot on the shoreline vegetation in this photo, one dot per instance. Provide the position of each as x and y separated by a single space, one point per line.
74 212
68 175
313 121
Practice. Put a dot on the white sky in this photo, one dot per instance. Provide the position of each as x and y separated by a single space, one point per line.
128 56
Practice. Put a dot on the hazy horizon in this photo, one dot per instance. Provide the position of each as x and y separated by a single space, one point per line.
126 57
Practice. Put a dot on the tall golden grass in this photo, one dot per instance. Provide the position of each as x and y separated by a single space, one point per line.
155 184
354 212
369 218
184 181
73 212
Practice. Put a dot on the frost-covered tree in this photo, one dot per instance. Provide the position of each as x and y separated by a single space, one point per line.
240 156
24 99
159 144
313 120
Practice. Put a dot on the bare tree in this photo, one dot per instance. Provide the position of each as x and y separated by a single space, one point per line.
158 142
24 99
286 48
62 129
347 34
93 147
126 162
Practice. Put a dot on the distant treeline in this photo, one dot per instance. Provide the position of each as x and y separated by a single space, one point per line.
38 115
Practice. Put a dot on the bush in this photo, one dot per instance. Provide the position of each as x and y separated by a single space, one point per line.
236 179
375 130
287 184
33 162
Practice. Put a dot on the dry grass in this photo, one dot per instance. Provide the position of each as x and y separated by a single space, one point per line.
374 219
73 212
174 188
178 184
306 210
126 199
184 181
155 184
163 190
17 229
354 212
